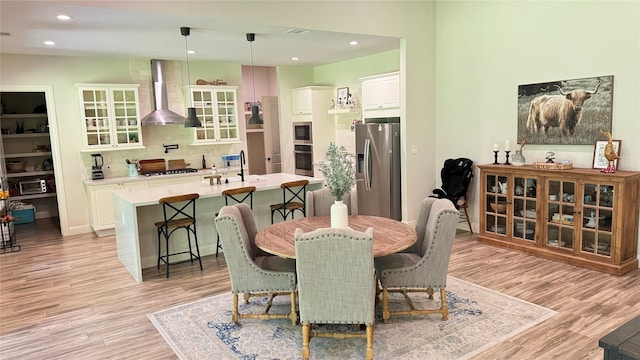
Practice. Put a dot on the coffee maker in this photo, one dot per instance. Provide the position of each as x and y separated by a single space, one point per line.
96 168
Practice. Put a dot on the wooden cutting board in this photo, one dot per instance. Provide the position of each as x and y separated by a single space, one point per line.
177 164
152 165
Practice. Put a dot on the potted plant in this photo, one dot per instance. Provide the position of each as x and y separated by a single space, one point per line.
339 176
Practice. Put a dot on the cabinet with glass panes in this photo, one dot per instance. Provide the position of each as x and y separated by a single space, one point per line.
579 216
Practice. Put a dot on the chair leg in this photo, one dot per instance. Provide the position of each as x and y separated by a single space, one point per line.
195 238
430 292
235 314
369 342
189 242
385 305
305 341
293 316
217 245
444 308
166 238
159 249
466 213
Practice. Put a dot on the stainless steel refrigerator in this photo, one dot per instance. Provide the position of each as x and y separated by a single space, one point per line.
378 169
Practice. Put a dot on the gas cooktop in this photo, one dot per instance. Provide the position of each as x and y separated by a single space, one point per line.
171 172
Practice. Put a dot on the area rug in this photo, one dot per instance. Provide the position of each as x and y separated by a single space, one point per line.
478 319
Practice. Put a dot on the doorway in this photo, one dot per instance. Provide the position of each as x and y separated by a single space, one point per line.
30 158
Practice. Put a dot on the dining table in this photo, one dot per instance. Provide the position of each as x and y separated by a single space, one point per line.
389 235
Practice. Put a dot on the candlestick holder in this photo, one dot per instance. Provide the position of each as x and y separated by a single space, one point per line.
495 156
507 161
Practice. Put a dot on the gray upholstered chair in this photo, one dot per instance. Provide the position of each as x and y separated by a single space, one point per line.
251 273
319 202
336 282
425 266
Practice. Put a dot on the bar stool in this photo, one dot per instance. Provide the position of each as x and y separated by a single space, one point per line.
179 213
293 198
237 195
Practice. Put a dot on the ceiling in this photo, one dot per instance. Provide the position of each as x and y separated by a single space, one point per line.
117 29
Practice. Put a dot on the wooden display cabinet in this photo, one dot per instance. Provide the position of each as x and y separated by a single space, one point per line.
579 216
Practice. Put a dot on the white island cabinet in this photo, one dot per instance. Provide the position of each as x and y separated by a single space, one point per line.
137 210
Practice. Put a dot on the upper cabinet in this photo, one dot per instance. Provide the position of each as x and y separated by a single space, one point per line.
217 109
381 95
311 102
110 116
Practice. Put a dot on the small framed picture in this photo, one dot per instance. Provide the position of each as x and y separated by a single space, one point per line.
343 94
599 160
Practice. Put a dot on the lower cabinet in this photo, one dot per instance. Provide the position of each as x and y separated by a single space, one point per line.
579 216
101 200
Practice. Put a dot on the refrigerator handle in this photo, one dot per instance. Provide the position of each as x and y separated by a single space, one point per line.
367 170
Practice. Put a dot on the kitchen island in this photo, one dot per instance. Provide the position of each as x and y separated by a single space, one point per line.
136 211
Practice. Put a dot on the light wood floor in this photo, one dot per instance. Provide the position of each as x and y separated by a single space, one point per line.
70 298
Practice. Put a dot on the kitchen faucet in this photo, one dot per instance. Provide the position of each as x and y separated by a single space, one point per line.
242 161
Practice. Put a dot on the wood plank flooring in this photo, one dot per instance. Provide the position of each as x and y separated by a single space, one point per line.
70 298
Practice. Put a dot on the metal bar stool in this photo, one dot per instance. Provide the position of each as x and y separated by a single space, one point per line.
179 213
293 198
237 195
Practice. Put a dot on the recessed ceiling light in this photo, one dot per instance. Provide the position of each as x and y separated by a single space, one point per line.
354 42
191 51
49 42
295 58
64 17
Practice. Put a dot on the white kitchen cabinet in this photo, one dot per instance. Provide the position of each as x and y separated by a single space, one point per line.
381 95
101 200
110 116
217 109
311 103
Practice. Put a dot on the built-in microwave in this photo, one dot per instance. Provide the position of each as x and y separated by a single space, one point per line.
33 186
302 133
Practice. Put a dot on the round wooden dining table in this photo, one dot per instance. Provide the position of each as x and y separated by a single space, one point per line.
389 236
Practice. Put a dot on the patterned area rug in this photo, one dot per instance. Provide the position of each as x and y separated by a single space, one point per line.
478 319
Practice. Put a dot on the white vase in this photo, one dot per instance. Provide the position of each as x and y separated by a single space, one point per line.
339 215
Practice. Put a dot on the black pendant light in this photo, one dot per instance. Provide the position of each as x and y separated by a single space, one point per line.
255 118
192 119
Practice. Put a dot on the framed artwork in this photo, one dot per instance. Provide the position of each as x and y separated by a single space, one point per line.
565 112
343 94
599 160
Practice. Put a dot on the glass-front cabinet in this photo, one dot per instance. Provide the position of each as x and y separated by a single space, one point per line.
579 216
110 116
217 109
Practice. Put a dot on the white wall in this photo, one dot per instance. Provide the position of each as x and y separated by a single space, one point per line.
485 49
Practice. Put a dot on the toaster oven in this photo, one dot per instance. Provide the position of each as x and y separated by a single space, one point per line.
33 186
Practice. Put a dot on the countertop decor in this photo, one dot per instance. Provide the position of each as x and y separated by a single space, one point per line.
339 175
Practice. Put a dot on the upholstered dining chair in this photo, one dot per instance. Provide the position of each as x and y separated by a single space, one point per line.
319 202
249 272
325 294
425 266
293 198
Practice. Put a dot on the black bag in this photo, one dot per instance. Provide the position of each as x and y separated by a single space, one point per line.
456 175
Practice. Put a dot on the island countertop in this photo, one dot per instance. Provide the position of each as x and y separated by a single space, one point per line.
151 195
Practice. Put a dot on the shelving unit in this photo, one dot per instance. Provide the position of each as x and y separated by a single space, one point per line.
579 216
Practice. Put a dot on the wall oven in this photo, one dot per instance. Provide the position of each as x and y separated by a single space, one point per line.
303 155
302 133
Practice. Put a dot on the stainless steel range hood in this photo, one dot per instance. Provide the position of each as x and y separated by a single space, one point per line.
161 115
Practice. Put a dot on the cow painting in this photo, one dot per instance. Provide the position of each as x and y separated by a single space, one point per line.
563 111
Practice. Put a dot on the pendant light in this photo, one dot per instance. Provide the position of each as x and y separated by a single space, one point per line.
192 119
255 118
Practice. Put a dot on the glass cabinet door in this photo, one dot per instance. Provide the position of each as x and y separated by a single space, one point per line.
524 208
560 213
125 112
597 218
496 204
202 101
227 116
95 107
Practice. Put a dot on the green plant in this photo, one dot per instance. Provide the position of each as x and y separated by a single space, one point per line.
338 171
